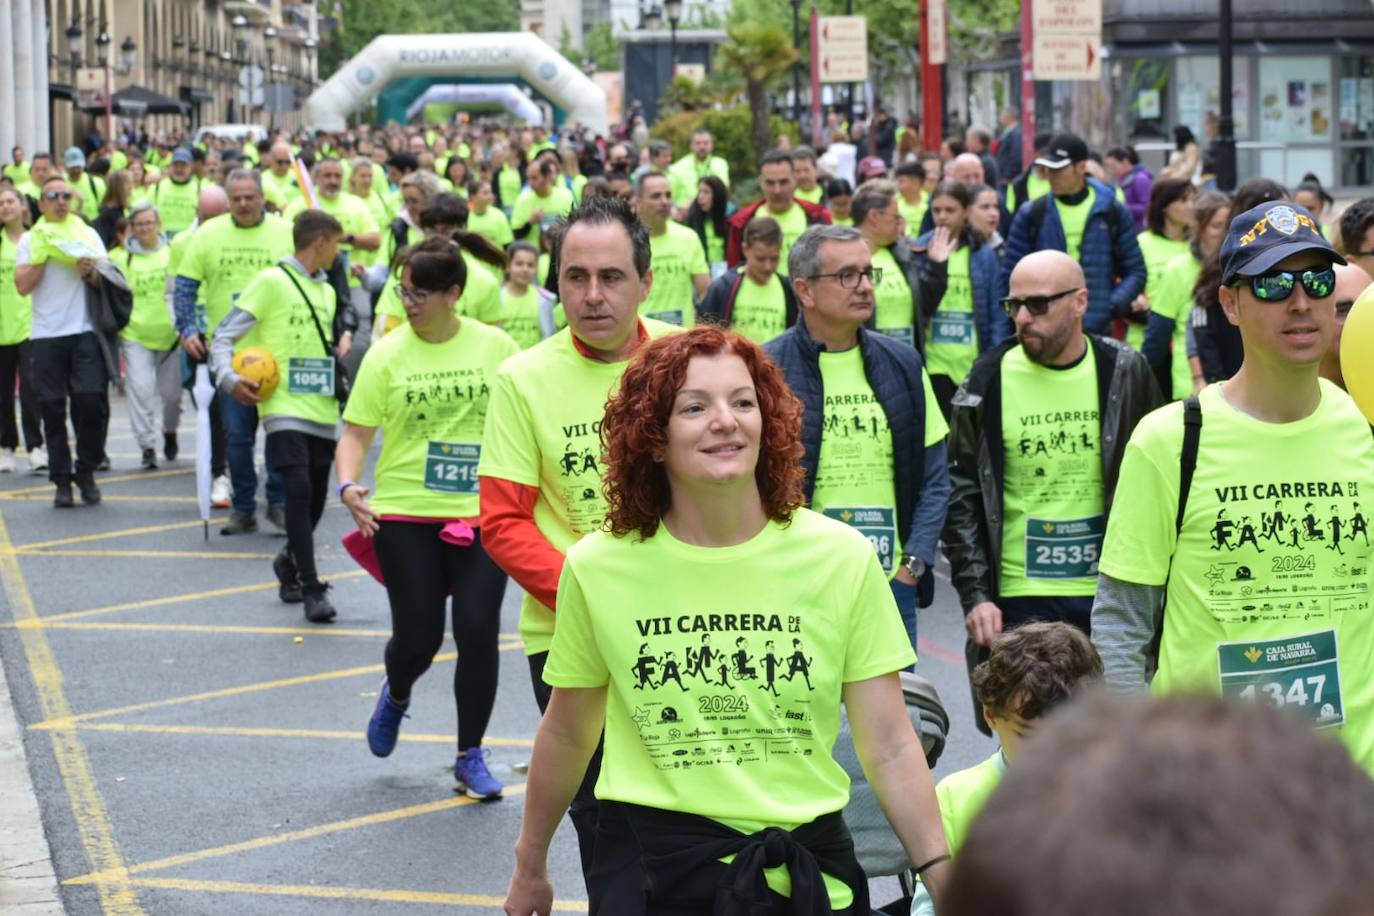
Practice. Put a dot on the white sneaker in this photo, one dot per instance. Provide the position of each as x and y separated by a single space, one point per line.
38 460
7 461
220 492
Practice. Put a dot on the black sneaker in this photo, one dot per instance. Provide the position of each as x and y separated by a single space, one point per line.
317 606
240 523
149 459
90 493
169 446
62 499
288 578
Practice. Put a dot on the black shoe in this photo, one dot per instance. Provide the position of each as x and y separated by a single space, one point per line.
317 606
149 459
62 499
90 493
169 446
104 464
289 579
240 523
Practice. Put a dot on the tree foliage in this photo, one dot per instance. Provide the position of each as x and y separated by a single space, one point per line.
364 20
758 54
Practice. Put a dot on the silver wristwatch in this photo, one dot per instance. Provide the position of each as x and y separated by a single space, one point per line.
914 565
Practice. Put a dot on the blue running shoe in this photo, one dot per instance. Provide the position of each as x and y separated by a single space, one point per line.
474 779
384 728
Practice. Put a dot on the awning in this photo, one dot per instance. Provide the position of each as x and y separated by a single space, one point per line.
139 100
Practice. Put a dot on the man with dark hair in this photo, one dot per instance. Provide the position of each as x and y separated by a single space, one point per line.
688 171
901 287
1186 806
754 298
1009 146
1357 239
541 204
680 274
540 481
777 180
17 170
302 414
912 200
806 173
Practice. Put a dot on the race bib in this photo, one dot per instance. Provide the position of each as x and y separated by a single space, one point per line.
905 334
1298 673
1066 549
877 523
952 328
310 375
451 467
671 317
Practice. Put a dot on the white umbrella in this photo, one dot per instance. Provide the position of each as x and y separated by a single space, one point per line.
202 392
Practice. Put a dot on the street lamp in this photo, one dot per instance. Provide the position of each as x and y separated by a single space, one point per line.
128 55
74 46
240 26
674 10
269 41
796 67
653 19
102 48
310 46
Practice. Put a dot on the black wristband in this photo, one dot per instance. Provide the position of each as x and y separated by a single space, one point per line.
932 863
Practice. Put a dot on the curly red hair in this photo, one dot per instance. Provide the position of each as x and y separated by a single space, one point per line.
636 427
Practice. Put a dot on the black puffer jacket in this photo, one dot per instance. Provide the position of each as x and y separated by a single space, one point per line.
1127 391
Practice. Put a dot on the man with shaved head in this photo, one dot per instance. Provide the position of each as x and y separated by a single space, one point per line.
1350 282
1038 432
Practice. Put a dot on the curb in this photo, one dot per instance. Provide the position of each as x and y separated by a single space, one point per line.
28 885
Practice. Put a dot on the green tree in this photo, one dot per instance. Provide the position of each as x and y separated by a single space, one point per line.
758 54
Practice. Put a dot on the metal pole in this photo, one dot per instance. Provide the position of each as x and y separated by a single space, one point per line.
796 67
849 87
672 49
1028 84
1226 125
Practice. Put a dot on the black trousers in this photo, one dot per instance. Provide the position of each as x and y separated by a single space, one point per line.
304 462
584 810
71 368
422 574
14 368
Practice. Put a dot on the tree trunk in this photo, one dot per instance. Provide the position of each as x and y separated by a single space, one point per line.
758 108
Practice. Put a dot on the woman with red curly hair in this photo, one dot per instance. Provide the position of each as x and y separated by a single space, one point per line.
715 626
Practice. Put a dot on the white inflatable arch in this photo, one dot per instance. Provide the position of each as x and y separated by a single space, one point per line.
507 95
485 54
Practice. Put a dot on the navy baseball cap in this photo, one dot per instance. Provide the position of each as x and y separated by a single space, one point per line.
182 155
1266 234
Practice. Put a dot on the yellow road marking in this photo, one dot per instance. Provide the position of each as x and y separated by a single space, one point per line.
204 628
189 596
378 895
107 498
120 533
309 733
117 897
148 554
276 839
102 480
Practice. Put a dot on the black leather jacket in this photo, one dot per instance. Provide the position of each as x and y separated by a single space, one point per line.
1127 391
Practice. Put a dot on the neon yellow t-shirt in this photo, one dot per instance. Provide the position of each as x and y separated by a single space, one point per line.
759 639
381 217
508 182
282 191
793 224
715 244
351 212
894 308
557 204
543 430
285 329
1158 251
16 311
1269 592
1052 489
675 257
224 259
430 401
91 189
1035 187
491 225
520 315
1074 218
855 482
760 312
150 322
812 196
176 203
963 794
480 299
1173 298
952 335
913 213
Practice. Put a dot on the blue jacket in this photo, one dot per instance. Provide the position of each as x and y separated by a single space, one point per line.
920 473
1112 263
989 318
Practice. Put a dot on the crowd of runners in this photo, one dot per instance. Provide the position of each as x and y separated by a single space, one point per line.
722 445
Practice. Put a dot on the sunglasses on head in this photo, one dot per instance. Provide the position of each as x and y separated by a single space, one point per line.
1036 305
1278 285
57 195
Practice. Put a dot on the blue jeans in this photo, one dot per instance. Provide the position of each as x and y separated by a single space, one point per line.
241 431
906 604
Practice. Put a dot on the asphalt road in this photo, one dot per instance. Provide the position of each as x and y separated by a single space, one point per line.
197 747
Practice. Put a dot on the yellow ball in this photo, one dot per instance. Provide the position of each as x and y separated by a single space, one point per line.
258 365
1357 352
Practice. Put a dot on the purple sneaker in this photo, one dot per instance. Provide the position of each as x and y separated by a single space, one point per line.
474 779
384 728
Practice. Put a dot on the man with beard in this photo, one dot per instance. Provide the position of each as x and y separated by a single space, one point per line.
1039 429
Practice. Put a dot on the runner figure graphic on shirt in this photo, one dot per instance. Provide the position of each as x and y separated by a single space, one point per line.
1247 533
1336 524
569 461
1358 525
670 670
743 670
699 662
771 664
1273 525
799 663
643 669
1311 530
1221 531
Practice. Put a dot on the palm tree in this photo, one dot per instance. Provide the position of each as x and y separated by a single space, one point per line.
759 53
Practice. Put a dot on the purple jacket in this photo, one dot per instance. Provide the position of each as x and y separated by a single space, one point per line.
1136 186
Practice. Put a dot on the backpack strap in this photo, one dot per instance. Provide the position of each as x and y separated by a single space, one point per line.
1187 464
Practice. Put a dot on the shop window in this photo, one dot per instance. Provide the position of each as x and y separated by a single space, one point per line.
1197 80
1296 100
1355 101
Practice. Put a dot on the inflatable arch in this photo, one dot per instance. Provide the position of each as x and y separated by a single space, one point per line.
507 95
478 54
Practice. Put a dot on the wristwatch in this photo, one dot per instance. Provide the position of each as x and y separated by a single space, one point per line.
914 565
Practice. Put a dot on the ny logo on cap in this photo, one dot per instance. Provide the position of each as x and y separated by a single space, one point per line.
1283 219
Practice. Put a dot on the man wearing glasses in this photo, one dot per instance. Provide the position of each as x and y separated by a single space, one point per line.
279 180
55 262
1350 282
1239 559
873 433
1039 430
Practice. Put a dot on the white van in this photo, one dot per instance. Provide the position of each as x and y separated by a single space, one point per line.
235 132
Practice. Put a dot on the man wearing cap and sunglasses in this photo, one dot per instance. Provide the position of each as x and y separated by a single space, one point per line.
1039 428
1239 557
1080 216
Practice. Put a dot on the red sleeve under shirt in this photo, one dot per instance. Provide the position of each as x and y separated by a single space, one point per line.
514 541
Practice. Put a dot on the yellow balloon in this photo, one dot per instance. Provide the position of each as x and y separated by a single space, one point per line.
1357 352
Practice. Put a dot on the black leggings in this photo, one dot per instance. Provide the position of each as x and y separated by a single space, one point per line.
14 366
304 462
422 572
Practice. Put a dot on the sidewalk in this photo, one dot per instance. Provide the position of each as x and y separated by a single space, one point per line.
28 886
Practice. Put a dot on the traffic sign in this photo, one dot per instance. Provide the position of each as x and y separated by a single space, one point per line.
842 49
937 32
1067 41
90 87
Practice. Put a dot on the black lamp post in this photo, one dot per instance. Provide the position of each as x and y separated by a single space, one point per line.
674 10
310 46
128 54
102 48
796 67
74 47
269 41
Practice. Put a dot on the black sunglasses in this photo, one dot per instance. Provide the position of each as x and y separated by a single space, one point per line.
1036 305
58 195
1278 285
